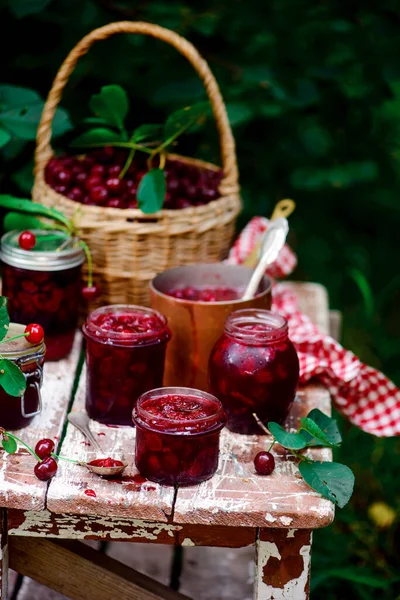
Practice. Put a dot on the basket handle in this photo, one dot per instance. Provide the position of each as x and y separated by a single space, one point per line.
43 152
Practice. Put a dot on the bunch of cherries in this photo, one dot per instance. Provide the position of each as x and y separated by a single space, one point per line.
47 467
96 179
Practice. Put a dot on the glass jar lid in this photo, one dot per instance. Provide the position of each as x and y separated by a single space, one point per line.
53 251
19 348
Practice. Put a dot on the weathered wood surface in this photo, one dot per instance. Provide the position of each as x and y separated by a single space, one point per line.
95 575
81 527
120 498
236 495
283 560
19 488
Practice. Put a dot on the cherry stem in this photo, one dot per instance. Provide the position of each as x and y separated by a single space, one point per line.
261 425
14 337
270 448
76 462
14 437
89 261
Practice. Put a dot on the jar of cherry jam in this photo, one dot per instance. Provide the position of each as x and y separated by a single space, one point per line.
125 354
43 286
254 368
17 412
177 435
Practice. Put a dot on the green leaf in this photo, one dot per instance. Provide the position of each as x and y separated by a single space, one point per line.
32 208
5 137
327 425
14 220
4 317
184 118
111 104
151 191
291 441
12 380
9 444
97 137
23 121
147 131
23 8
61 123
318 437
332 480
12 96
239 113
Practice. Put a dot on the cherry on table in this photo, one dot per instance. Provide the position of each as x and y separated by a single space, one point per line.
44 448
27 240
264 463
90 292
35 333
46 469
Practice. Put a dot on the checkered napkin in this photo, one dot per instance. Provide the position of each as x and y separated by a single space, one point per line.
363 394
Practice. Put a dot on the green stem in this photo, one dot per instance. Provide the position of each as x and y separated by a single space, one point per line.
128 163
14 437
89 261
76 462
168 141
270 448
14 337
301 457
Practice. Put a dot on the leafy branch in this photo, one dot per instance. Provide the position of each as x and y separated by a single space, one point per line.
108 128
330 479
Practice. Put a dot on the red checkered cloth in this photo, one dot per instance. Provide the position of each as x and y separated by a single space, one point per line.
363 394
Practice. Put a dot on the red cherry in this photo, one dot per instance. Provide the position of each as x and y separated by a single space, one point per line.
98 194
93 181
35 333
27 240
46 469
90 292
114 184
264 463
44 448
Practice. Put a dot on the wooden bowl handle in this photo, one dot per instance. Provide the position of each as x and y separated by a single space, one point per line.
43 151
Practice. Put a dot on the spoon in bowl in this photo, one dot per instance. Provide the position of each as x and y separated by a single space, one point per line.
104 467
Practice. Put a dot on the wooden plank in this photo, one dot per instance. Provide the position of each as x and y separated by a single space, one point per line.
80 527
236 495
120 498
3 555
19 488
283 560
95 575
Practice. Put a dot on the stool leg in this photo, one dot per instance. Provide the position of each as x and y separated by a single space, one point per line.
3 556
282 564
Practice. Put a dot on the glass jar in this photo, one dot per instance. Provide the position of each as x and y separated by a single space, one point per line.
17 412
43 285
254 368
125 354
177 435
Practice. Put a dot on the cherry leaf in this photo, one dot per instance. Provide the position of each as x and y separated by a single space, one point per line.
9 444
12 379
327 425
317 436
146 132
291 441
184 118
4 318
112 105
99 136
151 191
332 480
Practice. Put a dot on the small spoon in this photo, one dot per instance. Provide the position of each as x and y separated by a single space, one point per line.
272 244
80 420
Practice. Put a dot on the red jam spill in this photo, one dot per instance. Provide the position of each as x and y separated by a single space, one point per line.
47 298
132 322
177 438
90 493
101 433
138 478
106 462
85 443
206 294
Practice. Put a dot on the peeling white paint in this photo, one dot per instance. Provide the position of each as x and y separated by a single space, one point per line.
188 542
291 533
286 521
270 518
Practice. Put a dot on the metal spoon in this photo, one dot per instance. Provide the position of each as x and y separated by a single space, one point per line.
80 420
273 243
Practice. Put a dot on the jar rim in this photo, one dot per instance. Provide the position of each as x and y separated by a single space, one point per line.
272 327
93 331
20 348
66 255
140 413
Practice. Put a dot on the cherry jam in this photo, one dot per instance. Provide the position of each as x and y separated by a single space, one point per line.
254 368
177 435
18 412
125 354
206 294
43 286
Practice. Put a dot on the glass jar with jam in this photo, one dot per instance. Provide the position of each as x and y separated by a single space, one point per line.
43 285
125 354
17 412
177 435
254 368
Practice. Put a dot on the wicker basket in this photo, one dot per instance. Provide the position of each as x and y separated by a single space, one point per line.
129 248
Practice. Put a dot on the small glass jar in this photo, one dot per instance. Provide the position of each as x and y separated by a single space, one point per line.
17 412
177 435
125 354
43 285
254 368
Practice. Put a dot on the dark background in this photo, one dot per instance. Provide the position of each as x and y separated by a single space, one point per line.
313 94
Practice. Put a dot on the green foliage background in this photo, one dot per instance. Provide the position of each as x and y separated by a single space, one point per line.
313 94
